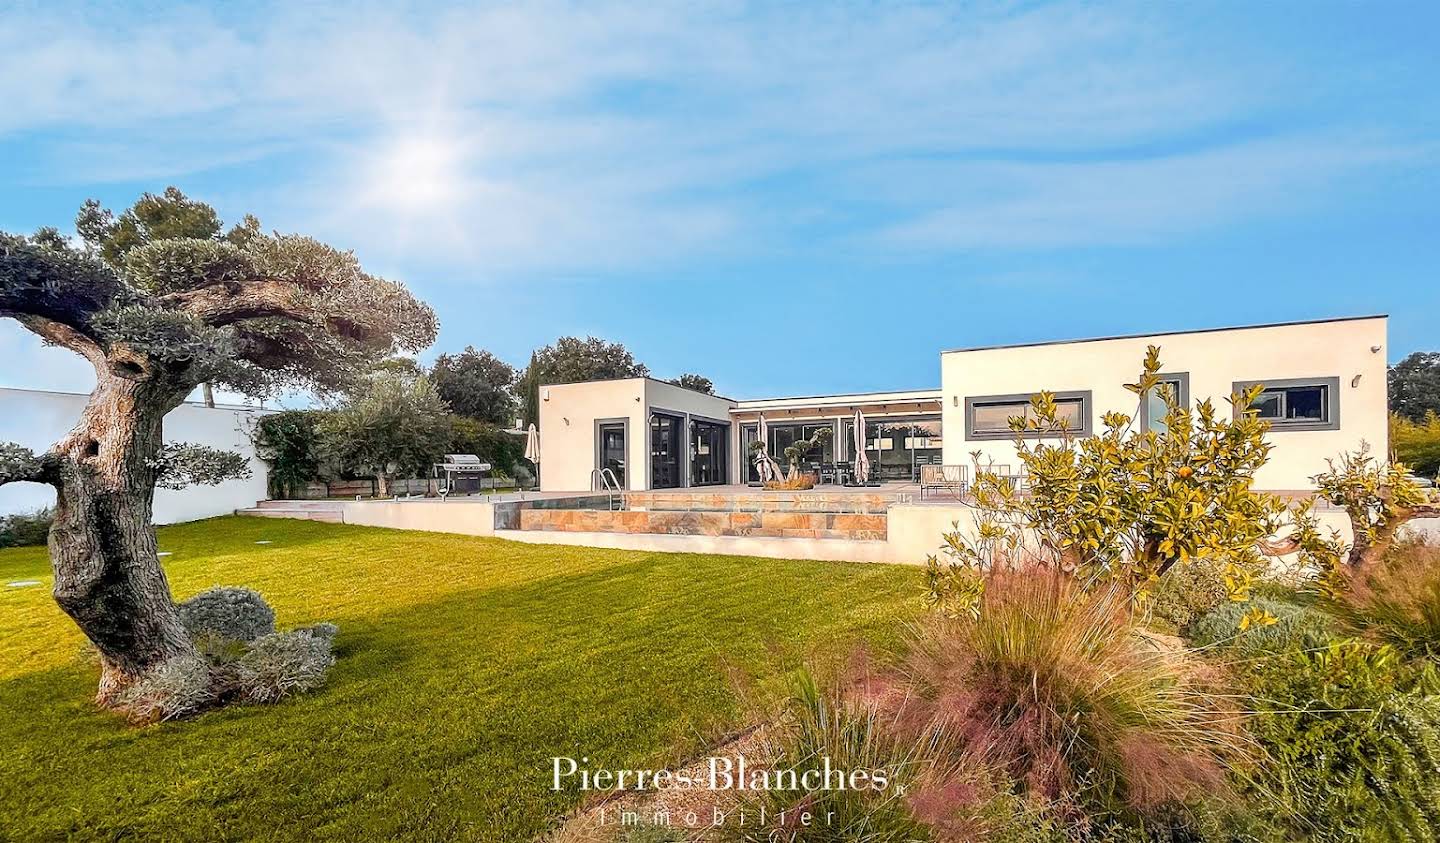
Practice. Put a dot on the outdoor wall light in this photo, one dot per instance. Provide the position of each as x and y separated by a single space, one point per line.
1355 381
1374 349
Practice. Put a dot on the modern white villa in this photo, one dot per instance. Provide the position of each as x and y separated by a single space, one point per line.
685 478
1325 393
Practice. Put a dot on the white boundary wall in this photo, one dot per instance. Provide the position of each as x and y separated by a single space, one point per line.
36 419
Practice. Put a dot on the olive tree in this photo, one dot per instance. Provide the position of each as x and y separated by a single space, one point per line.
794 453
1378 497
160 300
394 425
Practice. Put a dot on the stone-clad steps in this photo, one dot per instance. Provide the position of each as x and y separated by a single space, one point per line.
329 511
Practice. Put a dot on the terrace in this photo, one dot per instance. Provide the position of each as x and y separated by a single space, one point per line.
885 523
902 432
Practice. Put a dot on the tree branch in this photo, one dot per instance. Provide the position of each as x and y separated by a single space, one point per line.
219 305
56 285
1366 551
20 465
181 464
1284 547
64 336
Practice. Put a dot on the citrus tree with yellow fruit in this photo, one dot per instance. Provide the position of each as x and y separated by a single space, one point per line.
1128 505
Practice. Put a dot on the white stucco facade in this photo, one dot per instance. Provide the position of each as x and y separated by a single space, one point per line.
1338 366
37 419
572 415
1346 355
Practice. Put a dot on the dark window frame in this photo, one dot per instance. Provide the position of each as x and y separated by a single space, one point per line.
725 425
1331 402
624 423
682 464
1181 379
1087 415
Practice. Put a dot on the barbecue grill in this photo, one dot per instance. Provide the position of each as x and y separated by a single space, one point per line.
458 466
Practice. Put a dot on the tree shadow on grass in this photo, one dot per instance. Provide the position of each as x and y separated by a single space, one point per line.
441 719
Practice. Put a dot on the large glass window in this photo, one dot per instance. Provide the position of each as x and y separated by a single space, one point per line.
1298 404
825 454
897 447
783 436
988 417
708 452
665 449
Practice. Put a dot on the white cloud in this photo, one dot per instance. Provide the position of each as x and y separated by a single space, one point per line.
510 138
1047 205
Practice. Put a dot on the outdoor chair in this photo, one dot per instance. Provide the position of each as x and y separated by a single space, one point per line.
1018 479
944 478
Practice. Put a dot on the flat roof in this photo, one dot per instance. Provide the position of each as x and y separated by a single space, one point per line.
640 378
888 396
1169 333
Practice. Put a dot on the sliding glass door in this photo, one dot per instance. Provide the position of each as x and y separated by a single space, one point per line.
898 447
612 450
708 452
783 436
666 447
749 435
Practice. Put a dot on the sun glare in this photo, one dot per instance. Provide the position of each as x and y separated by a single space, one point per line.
418 173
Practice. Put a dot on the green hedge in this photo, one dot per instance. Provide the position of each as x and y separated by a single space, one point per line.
25 528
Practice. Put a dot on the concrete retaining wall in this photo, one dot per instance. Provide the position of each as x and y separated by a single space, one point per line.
915 531
826 549
468 518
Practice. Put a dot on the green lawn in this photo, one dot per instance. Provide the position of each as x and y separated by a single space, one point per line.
464 665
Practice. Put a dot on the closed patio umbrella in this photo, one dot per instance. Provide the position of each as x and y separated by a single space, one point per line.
862 462
532 448
762 456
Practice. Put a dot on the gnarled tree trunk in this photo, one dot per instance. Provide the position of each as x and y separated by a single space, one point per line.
1367 551
102 544
160 301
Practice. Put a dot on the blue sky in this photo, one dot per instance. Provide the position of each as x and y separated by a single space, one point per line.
788 198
